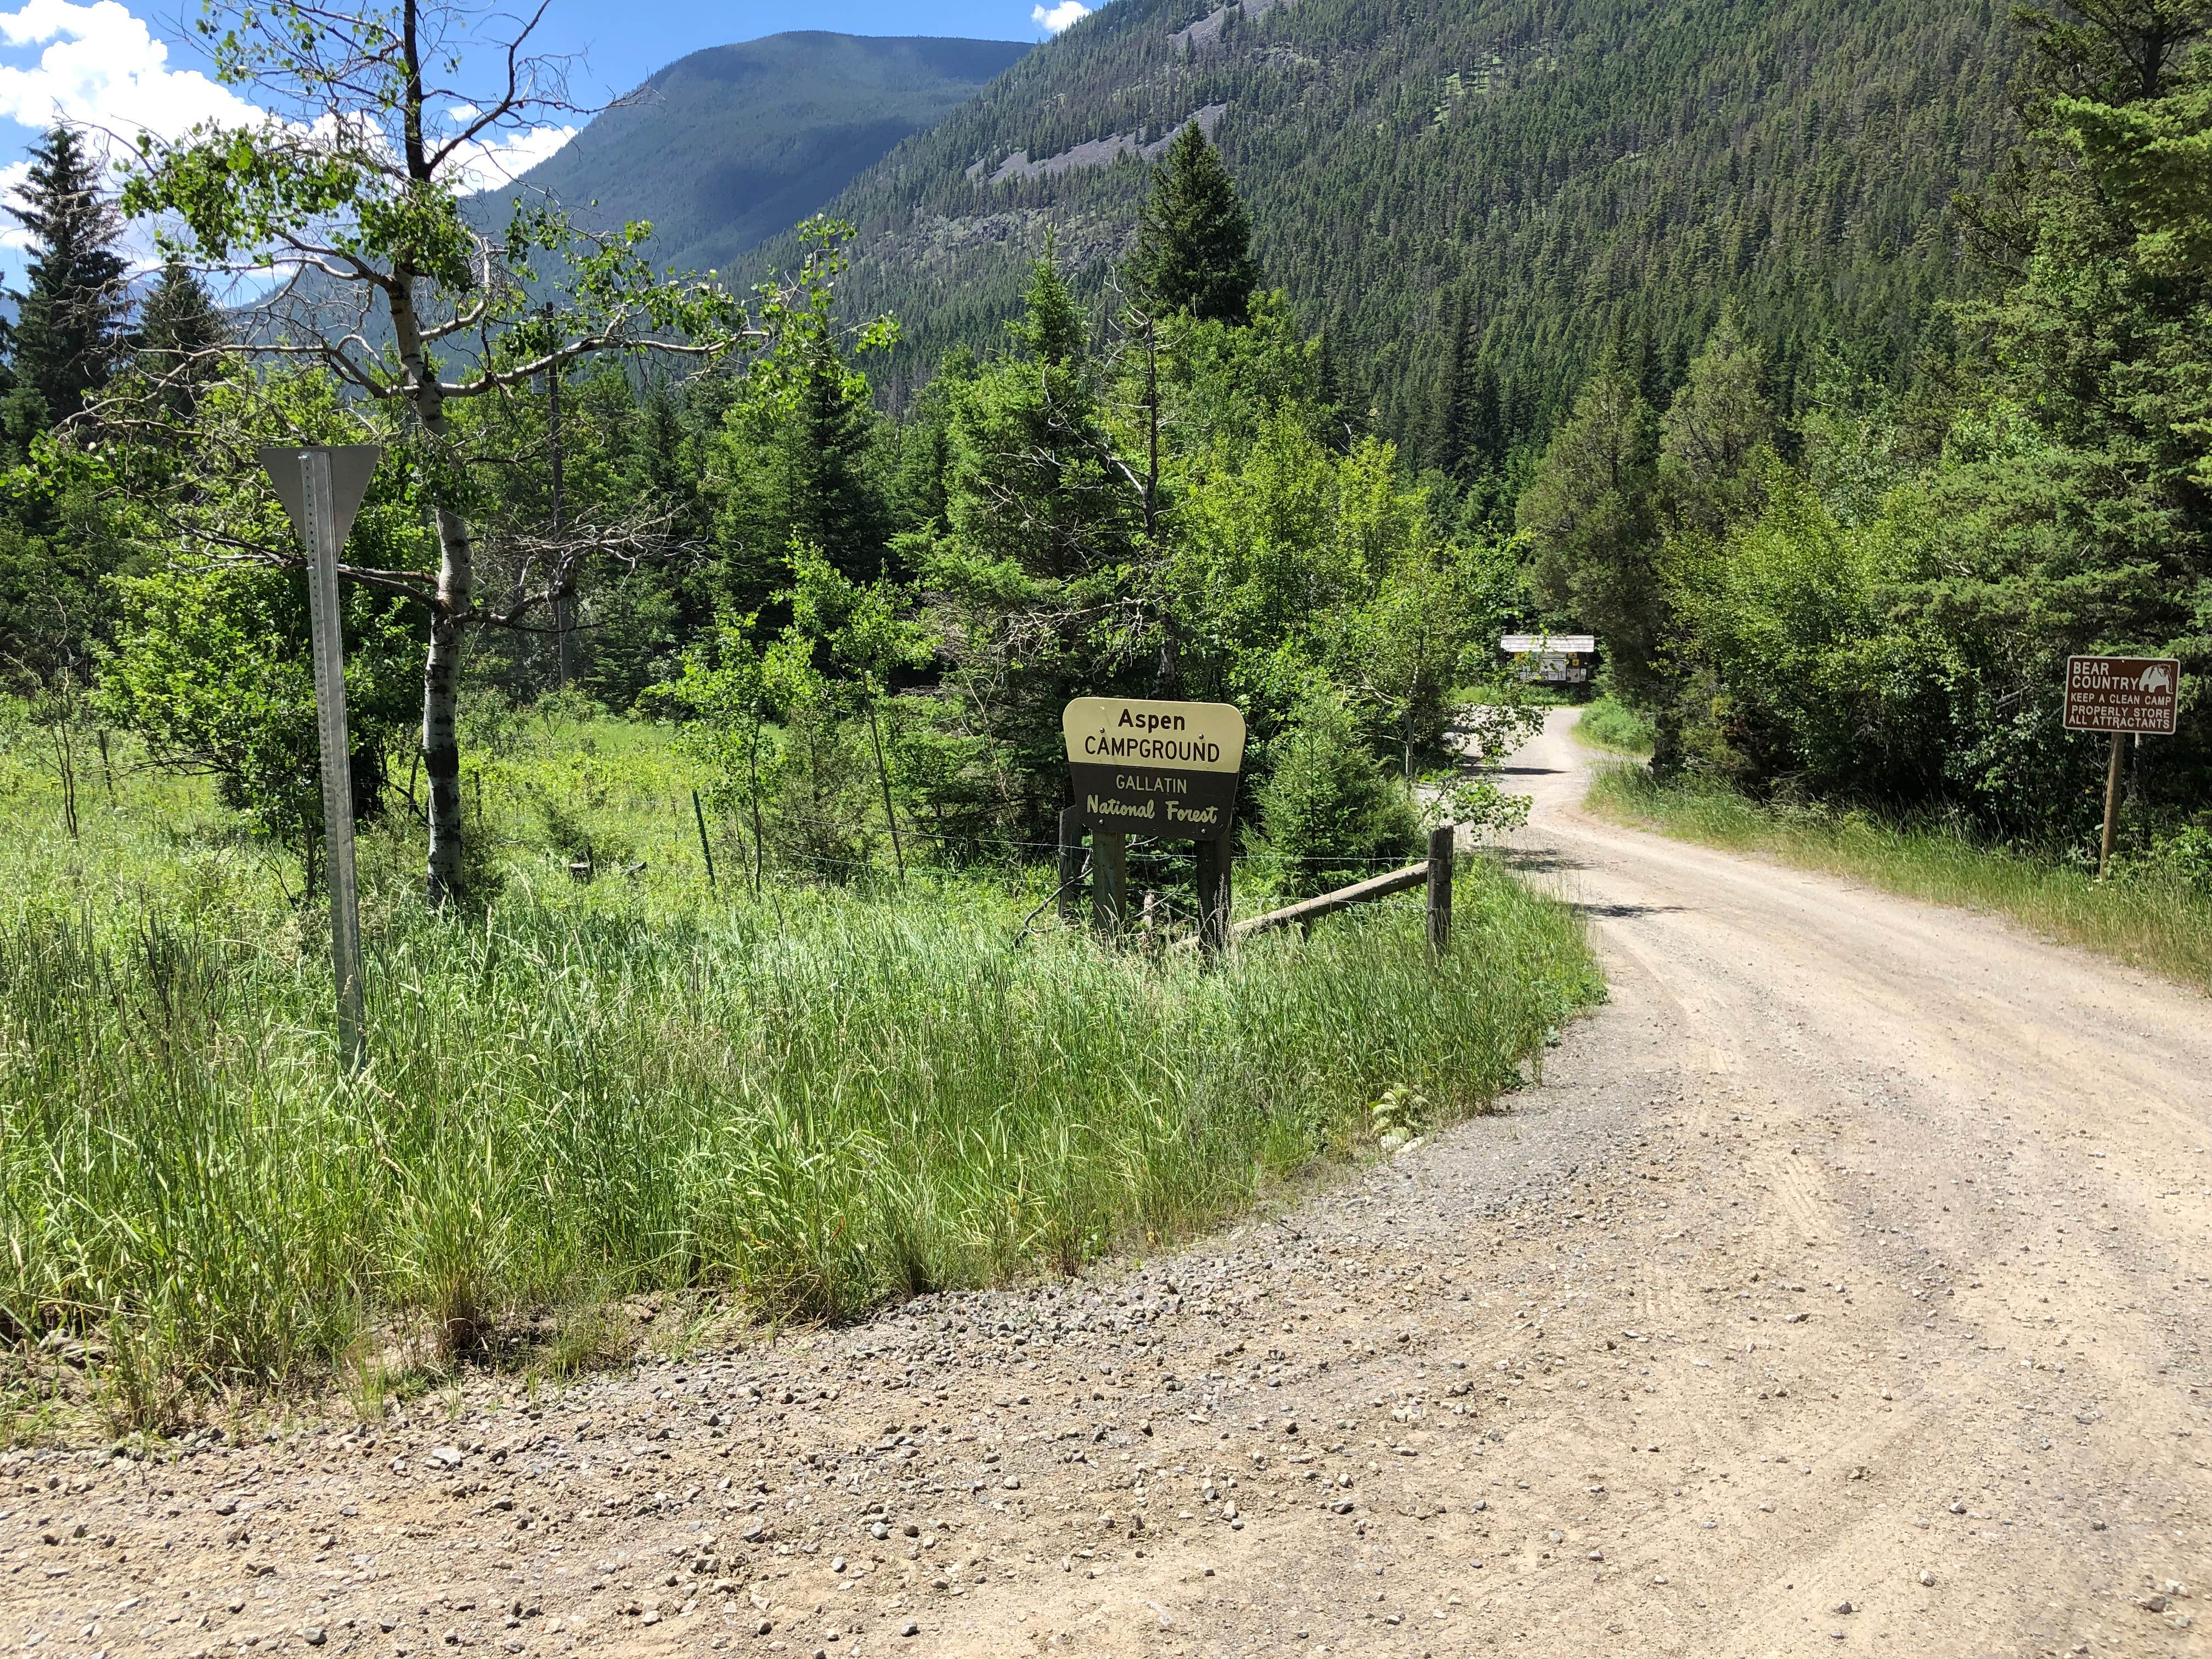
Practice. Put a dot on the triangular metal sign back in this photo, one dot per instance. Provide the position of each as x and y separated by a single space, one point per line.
351 467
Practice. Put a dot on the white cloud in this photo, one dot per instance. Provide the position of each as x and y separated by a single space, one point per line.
497 160
102 68
97 67
1061 16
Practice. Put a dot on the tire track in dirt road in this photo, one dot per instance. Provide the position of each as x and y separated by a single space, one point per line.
1852 1255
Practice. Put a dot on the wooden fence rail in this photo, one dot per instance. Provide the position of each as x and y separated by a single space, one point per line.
1324 904
1434 873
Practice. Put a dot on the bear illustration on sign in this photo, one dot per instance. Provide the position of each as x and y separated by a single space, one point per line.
2155 679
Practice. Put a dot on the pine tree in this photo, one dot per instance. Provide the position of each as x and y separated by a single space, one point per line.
1193 249
1447 418
1714 433
180 330
1588 512
1482 446
68 332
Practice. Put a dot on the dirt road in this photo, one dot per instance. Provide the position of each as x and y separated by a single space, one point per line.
1843 1285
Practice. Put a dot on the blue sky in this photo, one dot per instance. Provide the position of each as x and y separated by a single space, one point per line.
625 43
116 64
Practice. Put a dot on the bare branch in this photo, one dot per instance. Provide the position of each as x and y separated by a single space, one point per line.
510 103
547 561
417 585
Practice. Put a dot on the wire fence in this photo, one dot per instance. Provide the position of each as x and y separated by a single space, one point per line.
1147 846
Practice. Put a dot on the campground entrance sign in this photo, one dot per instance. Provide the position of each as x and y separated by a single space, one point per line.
1155 768
2121 695
1168 771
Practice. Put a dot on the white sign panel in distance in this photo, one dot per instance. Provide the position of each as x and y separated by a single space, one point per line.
1167 769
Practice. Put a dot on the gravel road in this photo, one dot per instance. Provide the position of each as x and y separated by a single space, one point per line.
1837 1287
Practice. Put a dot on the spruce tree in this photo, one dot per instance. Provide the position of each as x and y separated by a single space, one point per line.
179 332
796 466
69 331
1467 430
1052 328
829 494
1193 249
1589 515
1483 429
1715 434
1448 416
1037 570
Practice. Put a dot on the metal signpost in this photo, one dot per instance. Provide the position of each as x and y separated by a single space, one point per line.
2121 694
1165 769
321 487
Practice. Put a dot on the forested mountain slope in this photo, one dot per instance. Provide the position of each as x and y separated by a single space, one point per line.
727 147
1561 168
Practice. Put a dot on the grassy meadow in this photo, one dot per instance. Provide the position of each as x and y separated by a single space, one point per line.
807 1104
2139 917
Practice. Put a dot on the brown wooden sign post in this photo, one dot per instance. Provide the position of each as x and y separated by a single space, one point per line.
2121 695
1168 770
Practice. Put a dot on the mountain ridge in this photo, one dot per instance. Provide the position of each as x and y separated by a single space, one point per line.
1566 174
728 146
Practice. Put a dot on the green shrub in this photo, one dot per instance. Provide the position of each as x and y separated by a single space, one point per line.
2182 858
1332 816
1611 724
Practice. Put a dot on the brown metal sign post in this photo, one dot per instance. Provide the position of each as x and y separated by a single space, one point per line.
1165 769
2121 695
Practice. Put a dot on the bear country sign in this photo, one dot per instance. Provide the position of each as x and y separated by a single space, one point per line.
2123 694
1155 768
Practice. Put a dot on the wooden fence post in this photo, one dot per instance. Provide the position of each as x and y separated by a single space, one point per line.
1110 882
1071 862
1440 886
1215 900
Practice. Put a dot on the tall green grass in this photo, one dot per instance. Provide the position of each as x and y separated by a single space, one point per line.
2144 918
814 1103
1606 724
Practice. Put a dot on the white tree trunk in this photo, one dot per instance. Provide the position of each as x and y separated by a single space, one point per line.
449 615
